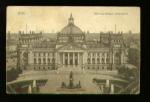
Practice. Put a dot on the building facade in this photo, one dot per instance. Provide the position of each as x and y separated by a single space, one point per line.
71 50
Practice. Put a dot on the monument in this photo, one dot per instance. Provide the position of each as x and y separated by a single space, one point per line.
71 84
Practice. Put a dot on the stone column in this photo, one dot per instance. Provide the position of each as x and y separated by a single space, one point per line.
63 58
29 89
30 57
105 58
46 58
41 58
34 86
95 58
37 58
68 58
112 89
91 58
102 88
78 59
113 58
122 57
110 57
85 57
107 82
73 58
34 83
58 58
100 58
82 59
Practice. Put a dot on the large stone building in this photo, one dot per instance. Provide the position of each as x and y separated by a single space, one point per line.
71 50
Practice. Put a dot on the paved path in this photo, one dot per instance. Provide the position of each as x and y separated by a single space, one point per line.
56 77
54 83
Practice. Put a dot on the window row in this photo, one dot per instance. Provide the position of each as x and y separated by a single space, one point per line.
99 67
71 54
40 60
98 54
43 54
117 41
98 61
45 68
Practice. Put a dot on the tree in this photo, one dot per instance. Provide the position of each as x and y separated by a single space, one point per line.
134 57
128 72
13 74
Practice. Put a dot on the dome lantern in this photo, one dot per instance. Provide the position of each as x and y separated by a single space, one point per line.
71 20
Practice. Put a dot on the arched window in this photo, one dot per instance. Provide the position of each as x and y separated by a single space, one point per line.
44 61
88 60
93 60
102 60
93 54
34 54
107 60
44 54
48 60
103 54
89 54
117 54
53 60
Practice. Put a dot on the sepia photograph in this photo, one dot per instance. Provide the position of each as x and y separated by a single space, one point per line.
72 50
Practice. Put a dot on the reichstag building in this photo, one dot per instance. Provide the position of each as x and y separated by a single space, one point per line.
71 49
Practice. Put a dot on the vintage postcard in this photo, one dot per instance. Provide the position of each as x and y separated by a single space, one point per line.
72 50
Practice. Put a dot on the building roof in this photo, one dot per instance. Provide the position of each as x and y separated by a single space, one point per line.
71 28
44 44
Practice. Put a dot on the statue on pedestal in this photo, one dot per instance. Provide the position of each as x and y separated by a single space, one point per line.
71 85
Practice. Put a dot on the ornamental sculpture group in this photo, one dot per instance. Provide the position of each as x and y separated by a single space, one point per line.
71 84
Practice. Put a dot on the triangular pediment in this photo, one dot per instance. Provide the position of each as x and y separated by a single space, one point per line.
71 47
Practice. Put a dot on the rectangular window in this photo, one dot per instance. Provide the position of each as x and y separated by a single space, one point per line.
34 54
89 54
34 60
48 60
39 61
44 61
97 54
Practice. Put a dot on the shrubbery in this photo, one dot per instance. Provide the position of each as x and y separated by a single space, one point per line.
12 74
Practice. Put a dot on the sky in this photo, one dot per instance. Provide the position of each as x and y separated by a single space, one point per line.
51 19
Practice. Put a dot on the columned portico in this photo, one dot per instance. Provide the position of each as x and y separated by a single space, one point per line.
73 59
